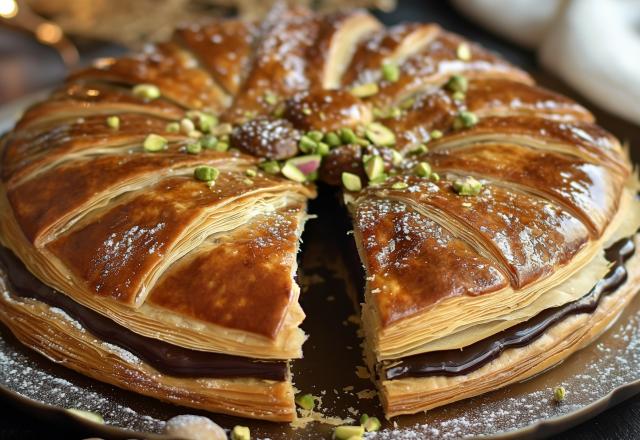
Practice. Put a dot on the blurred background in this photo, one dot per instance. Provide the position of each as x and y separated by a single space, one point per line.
587 49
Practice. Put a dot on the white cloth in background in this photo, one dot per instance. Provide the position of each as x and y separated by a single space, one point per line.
594 45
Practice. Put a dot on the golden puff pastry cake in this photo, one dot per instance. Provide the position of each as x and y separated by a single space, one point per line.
152 206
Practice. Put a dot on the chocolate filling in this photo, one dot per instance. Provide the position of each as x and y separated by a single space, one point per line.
164 357
463 361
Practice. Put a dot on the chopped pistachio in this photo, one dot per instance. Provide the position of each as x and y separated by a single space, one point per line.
113 122
270 167
206 173
307 145
362 141
372 424
222 146
559 393
374 167
346 432
306 111
378 134
195 134
206 122
435 134
87 415
463 52
390 72
306 401
351 181
419 149
194 147
396 157
458 96
187 125
208 141
380 179
457 83
400 185
363 418
292 172
279 110
467 186
172 127
251 172
323 149
407 103
348 136
313 176
332 139
364 90
423 169
240 433
465 119
435 177
270 98
154 143
222 129
247 181
315 135
146 91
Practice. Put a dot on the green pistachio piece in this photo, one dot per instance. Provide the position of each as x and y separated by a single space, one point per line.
435 134
332 139
419 149
467 186
323 149
372 424
364 90
423 169
87 415
113 122
251 172
362 141
240 433
363 419
351 181
400 185
559 393
270 98
346 432
222 146
315 135
457 83
307 145
465 119
306 401
154 143
396 157
187 125
206 122
206 173
270 167
380 179
348 136
374 167
194 147
463 52
407 103
390 72
435 177
209 142
146 91
378 134
458 96
172 127
292 172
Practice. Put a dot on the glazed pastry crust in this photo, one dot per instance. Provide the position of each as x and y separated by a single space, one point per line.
408 396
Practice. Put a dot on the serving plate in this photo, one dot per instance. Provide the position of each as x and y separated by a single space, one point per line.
595 378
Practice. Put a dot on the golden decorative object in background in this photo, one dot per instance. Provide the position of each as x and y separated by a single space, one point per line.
133 22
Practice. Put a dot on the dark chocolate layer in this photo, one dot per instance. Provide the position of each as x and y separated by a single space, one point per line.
167 358
463 361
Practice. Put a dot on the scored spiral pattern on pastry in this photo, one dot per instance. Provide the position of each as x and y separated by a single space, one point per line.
132 235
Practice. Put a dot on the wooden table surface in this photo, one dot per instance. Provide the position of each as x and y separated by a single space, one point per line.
26 67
